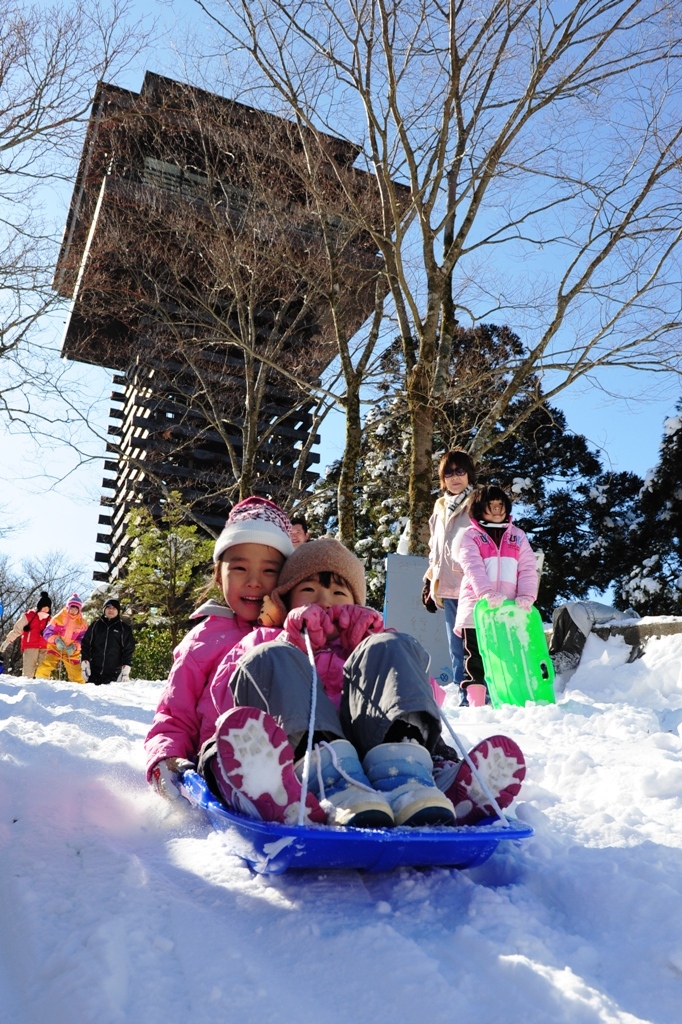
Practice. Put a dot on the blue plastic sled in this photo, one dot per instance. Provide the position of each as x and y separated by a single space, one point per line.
270 848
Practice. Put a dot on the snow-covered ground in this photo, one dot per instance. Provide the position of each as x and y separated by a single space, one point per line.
117 907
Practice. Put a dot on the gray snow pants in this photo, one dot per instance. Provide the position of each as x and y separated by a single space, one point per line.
385 678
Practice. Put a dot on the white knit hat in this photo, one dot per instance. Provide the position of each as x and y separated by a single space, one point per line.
255 521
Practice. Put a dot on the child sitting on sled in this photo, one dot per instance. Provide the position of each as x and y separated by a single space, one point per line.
498 563
247 557
376 724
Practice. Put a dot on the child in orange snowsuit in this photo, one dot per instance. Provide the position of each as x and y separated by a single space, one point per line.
64 633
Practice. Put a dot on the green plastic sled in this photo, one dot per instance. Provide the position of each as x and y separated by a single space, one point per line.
516 661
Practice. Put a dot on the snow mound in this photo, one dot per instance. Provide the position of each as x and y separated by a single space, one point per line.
116 907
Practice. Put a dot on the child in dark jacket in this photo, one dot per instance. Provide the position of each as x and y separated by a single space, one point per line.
374 704
107 647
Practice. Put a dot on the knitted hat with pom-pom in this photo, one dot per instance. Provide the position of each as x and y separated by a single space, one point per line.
255 521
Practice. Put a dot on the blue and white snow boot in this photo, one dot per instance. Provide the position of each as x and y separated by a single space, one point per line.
337 780
402 772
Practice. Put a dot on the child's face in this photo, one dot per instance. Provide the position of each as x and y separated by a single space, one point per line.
495 512
247 573
311 591
73 609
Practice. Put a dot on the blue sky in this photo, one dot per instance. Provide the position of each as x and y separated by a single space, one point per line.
63 515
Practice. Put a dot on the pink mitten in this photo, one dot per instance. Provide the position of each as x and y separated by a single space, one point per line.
524 603
355 623
494 599
316 621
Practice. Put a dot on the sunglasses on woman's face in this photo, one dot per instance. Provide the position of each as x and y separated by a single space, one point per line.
455 472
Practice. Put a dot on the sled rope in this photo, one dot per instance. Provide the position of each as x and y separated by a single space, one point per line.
309 749
335 762
311 726
463 751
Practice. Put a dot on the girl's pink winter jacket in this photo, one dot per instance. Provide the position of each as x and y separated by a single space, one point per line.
176 730
509 570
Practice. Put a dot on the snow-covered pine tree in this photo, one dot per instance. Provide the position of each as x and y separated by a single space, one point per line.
575 513
653 584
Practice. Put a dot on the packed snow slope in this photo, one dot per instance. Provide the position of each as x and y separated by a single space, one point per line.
118 907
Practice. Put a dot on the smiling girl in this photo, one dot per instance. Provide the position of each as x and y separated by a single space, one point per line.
247 557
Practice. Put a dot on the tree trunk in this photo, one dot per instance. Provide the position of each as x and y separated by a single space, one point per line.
421 459
349 467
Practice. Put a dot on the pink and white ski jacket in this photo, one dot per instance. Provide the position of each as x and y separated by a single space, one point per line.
176 730
509 570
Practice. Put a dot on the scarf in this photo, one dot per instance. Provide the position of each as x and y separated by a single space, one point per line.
455 502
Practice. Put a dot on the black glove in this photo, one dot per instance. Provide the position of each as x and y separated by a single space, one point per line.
427 600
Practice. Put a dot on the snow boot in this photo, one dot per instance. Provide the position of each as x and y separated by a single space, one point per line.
502 767
336 778
254 769
402 772
476 694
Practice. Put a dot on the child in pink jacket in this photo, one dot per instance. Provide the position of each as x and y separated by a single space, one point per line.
248 557
498 563
373 703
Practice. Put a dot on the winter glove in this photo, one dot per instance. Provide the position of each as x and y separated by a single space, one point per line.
166 776
494 599
355 623
317 623
124 674
70 649
427 600
524 603
85 669
59 643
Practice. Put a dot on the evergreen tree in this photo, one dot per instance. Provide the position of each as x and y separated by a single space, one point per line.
573 512
166 568
653 586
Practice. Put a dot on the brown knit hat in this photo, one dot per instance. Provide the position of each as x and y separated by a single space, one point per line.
324 555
